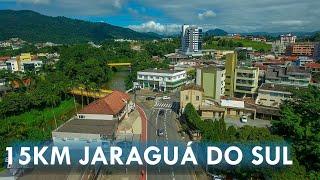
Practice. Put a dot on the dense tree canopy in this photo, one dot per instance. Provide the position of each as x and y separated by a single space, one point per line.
217 131
300 123
34 27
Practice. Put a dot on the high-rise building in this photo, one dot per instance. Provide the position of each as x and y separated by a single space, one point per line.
230 66
191 40
212 80
287 39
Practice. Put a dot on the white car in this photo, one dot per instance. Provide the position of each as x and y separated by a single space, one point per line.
244 119
166 97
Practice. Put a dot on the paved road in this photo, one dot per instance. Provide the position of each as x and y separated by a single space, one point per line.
257 122
168 122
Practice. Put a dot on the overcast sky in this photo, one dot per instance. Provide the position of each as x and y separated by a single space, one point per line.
166 16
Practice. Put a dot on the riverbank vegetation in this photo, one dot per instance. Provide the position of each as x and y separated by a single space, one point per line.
34 125
39 101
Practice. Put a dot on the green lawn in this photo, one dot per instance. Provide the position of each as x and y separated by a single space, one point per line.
213 44
255 45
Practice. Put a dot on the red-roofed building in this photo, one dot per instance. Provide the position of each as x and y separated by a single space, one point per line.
313 67
290 58
114 106
4 58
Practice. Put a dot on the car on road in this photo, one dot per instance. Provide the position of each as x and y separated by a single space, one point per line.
150 98
166 98
244 119
160 132
161 112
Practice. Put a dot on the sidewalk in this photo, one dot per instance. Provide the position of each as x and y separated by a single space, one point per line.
129 129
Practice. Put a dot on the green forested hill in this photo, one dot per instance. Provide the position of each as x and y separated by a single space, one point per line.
34 27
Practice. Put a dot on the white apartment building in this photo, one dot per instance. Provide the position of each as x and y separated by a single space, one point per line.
12 65
30 65
163 80
288 39
191 40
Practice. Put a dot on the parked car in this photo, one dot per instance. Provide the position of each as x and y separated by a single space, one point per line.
244 119
160 132
166 97
150 98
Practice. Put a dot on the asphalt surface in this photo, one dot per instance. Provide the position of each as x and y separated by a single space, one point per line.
168 122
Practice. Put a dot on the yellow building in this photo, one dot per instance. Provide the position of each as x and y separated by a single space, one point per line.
246 81
191 93
230 66
212 80
25 57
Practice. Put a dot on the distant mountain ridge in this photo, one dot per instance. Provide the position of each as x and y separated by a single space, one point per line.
276 34
35 27
216 32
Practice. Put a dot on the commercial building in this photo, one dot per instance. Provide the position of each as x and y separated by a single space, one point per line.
230 66
191 93
96 123
84 131
272 95
246 81
191 40
237 107
287 75
301 49
212 80
114 106
162 80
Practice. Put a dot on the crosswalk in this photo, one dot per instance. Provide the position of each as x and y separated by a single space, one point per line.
163 105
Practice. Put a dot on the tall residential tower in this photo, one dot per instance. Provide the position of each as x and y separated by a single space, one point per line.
191 40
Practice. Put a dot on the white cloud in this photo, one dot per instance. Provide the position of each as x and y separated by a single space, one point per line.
207 14
152 26
231 15
244 14
290 22
117 4
34 1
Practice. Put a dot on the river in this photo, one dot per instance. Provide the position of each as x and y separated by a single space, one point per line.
117 80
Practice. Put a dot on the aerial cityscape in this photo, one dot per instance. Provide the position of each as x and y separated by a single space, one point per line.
125 74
